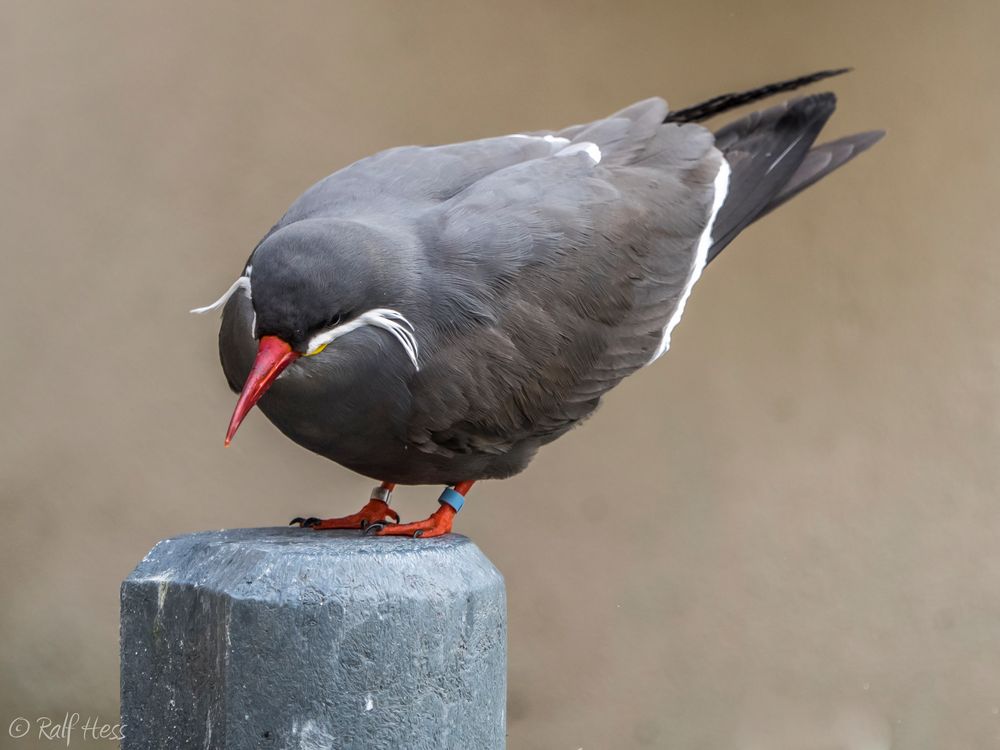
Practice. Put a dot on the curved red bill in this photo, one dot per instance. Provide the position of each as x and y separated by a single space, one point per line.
273 356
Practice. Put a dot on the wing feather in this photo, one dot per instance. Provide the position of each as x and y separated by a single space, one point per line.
582 263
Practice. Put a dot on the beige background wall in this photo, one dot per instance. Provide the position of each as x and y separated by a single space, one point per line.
783 535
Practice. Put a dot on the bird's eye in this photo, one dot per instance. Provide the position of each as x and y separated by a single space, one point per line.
331 323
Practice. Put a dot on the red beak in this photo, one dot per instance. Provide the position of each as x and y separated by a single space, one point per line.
273 356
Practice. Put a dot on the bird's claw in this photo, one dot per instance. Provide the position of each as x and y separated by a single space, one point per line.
374 528
376 512
366 524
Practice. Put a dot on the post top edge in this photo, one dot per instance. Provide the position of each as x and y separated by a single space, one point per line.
282 557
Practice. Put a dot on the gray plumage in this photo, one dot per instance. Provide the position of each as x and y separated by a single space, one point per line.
534 280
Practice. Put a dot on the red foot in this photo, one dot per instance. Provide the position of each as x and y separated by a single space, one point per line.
376 511
438 524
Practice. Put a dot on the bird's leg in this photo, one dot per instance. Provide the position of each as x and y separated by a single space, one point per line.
376 511
439 522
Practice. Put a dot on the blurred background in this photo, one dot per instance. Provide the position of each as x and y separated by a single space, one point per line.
783 535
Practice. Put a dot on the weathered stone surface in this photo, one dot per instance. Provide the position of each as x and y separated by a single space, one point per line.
290 638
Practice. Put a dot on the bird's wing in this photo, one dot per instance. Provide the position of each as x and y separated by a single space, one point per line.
575 263
410 178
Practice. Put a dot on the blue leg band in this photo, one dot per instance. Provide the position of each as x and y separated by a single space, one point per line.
452 498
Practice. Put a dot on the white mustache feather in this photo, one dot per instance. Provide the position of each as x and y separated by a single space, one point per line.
243 282
381 317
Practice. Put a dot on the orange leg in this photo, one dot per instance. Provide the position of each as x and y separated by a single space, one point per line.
376 511
437 524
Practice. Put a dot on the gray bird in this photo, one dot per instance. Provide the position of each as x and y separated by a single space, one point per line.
434 315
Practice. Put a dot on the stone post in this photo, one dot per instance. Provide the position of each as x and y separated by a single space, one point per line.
293 638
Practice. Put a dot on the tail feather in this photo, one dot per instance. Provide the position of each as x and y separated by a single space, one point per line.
770 152
821 161
765 150
725 102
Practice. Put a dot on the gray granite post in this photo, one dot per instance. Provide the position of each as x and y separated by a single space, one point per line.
293 638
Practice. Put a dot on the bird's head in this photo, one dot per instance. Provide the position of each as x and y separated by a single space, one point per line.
309 284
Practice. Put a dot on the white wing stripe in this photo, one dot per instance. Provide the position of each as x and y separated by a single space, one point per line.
583 147
721 186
